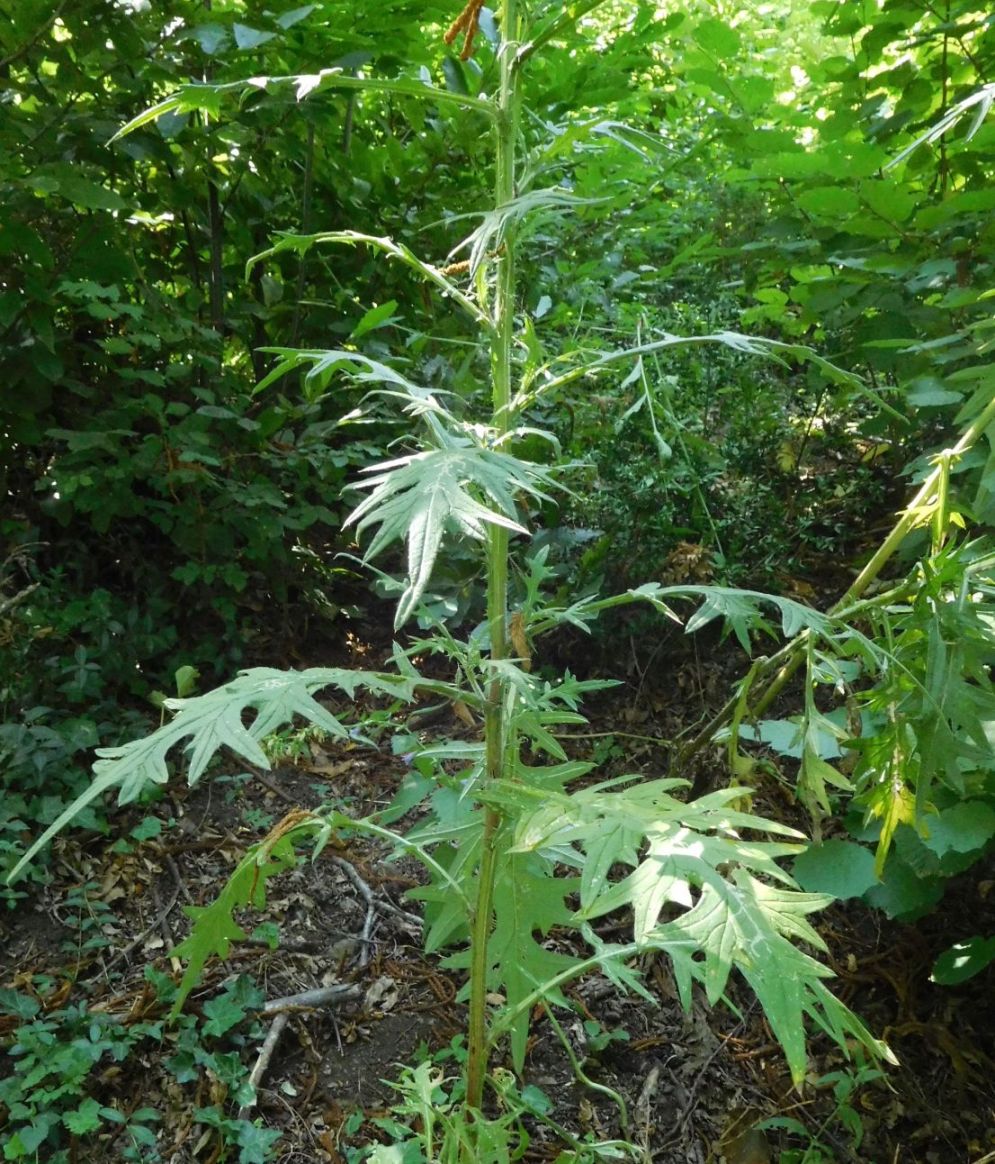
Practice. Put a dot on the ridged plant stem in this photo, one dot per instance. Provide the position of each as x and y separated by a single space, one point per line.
498 747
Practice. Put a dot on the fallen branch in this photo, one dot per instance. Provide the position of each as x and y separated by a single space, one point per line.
262 1061
366 937
281 1009
309 999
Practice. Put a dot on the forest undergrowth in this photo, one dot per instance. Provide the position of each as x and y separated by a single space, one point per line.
582 400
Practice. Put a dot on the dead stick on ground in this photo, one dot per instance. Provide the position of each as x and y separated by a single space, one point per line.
309 999
281 1009
262 1062
411 919
371 912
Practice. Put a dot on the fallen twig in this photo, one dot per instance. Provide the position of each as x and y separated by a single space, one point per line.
263 1059
371 912
412 919
309 999
281 1009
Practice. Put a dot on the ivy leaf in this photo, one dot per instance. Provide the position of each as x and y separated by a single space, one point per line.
255 1144
228 1009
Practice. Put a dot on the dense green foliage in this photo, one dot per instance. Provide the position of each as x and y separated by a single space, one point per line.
179 434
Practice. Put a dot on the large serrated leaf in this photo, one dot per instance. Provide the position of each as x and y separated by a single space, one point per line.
206 723
712 899
528 902
732 926
214 926
418 498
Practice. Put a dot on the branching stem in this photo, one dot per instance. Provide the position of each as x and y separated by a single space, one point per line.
783 665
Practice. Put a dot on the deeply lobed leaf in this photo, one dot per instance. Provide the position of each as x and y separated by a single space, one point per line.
712 900
206 723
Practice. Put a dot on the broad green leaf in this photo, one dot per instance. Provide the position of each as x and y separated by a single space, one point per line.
452 70
903 895
889 200
930 392
247 38
295 15
835 203
90 195
376 317
718 39
963 828
210 37
839 868
963 961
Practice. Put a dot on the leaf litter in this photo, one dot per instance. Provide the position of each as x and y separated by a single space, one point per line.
706 1086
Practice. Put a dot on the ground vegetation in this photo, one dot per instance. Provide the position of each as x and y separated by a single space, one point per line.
574 419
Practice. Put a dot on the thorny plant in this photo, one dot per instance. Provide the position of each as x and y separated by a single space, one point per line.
522 841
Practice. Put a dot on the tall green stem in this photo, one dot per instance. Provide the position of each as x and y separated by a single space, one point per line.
497 744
